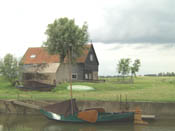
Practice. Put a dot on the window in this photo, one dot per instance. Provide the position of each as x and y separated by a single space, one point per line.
33 56
74 76
91 57
86 76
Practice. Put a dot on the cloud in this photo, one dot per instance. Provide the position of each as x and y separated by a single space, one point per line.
137 21
154 58
116 47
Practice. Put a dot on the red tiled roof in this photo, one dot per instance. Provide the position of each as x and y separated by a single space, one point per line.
42 56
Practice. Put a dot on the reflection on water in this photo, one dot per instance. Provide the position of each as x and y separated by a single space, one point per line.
88 127
1 127
40 123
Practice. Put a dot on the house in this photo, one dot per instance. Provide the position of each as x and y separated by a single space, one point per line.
41 66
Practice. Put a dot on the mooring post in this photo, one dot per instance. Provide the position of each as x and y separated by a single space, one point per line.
120 101
126 102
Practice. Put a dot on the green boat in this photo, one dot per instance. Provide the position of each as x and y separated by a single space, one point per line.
64 113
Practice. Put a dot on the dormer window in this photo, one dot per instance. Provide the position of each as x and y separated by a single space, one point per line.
91 57
33 56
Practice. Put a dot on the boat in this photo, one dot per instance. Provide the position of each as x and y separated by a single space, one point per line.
67 111
29 85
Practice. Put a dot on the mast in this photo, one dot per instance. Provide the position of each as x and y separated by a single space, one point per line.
70 75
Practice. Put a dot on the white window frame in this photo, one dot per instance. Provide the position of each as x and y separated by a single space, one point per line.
33 56
75 74
91 57
86 76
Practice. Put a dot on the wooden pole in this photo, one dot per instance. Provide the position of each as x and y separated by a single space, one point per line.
70 77
126 102
120 101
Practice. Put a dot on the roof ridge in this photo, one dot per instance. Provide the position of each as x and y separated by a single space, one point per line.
36 47
88 44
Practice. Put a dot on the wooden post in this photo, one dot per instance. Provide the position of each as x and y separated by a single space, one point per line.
126 102
138 117
120 101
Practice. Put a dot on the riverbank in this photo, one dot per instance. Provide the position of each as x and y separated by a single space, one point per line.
148 89
148 108
154 95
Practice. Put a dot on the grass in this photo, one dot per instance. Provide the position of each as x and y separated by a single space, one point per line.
154 89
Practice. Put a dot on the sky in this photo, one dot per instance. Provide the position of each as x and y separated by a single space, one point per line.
135 29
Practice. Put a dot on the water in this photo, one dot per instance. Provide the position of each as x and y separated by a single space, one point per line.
40 123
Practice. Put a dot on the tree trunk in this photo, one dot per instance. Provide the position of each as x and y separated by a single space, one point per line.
132 79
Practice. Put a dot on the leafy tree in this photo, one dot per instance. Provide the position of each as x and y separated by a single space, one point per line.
64 35
9 68
123 67
160 74
166 74
135 67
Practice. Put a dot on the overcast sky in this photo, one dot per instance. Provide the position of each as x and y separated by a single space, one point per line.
143 29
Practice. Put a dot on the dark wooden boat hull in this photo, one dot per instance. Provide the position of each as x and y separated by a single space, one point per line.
102 117
36 85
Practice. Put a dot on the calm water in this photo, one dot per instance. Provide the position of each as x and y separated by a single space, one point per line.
40 123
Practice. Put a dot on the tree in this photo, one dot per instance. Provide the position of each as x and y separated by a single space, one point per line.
135 67
123 67
160 74
9 68
64 35
66 38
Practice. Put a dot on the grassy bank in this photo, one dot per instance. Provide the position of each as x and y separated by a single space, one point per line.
157 89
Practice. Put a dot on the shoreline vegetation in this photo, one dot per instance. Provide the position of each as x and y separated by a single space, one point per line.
144 89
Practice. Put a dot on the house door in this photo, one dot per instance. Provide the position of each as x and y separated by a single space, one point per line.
95 75
88 76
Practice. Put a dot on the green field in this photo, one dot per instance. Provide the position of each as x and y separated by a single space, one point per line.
157 89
